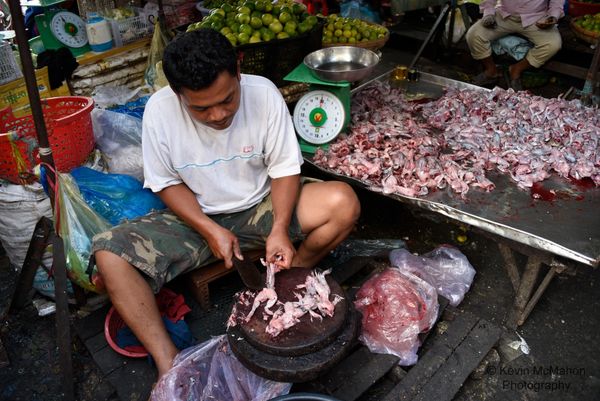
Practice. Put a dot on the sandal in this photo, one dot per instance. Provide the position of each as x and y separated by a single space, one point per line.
515 84
482 79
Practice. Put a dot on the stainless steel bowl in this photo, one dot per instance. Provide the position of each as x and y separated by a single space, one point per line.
341 63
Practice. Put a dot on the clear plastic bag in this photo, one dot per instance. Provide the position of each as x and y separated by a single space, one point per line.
115 197
445 268
77 223
209 371
153 74
396 307
119 137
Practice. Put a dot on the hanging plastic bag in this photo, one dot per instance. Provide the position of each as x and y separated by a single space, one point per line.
119 137
459 29
445 268
396 307
77 223
209 371
115 197
153 75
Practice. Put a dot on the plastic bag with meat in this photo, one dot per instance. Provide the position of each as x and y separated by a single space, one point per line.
445 268
209 371
396 307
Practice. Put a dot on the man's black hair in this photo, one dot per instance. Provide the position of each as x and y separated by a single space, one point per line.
195 59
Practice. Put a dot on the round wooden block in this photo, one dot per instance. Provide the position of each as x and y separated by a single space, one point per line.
309 335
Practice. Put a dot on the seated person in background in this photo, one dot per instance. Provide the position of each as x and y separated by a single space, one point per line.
220 150
534 19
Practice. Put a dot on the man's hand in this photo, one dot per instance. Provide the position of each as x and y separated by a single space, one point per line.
489 22
546 22
224 244
280 249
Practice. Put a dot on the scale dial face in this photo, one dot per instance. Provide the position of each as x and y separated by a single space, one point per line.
319 117
69 29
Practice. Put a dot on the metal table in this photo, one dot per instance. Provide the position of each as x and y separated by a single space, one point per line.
550 232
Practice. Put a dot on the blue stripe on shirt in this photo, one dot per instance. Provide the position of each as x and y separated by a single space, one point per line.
219 161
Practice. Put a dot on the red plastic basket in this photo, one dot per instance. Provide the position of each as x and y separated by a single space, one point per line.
70 133
112 324
577 8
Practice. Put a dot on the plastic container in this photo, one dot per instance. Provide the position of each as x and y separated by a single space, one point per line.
9 69
98 33
112 324
128 30
70 133
577 8
277 58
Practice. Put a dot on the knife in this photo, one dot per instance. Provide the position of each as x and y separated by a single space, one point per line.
251 276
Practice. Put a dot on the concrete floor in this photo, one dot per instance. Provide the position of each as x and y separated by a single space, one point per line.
564 359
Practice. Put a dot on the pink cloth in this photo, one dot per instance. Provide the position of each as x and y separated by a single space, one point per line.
530 11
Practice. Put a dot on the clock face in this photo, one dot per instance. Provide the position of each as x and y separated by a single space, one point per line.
319 117
69 29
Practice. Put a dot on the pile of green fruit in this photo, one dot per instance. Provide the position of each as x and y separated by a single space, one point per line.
350 30
589 22
258 21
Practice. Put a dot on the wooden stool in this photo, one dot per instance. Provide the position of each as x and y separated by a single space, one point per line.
198 279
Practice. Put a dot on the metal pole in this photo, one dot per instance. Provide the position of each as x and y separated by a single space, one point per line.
63 330
18 23
433 30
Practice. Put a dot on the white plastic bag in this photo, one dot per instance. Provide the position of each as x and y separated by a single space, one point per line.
445 268
209 371
119 137
459 29
396 306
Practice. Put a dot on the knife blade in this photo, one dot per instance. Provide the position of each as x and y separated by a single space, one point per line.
251 276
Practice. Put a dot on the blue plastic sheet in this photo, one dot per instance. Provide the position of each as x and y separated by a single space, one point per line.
134 108
115 197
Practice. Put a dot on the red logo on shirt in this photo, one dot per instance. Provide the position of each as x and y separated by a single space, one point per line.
248 149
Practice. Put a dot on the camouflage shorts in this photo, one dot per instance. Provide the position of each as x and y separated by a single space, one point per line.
162 246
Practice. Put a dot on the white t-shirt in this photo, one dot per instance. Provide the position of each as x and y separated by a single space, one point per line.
228 170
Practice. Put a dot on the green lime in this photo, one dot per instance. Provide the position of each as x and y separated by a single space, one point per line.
218 12
312 20
216 25
244 10
305 27
266 34
245 28
282 35
267 19
255 39
298 8
290 28
276 26
256 22
232 37
243 38
284 17
250 5
243 18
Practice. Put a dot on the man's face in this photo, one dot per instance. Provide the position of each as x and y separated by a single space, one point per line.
216 105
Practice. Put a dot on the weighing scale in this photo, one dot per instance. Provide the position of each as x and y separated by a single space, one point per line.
59 28
322 113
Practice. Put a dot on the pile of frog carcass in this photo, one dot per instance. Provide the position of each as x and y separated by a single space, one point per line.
312 298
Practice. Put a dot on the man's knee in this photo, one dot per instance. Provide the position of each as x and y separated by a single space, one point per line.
343 201
553 47
471 37
107 263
